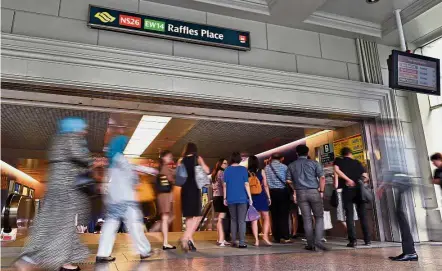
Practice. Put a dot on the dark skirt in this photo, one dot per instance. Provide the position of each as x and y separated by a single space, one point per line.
260 202
218 205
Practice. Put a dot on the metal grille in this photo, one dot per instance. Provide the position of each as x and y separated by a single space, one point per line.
31 128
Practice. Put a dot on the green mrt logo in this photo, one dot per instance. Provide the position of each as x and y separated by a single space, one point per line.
154 25
104 17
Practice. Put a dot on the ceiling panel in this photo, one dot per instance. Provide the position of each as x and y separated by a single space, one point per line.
220 139
31 128
360 9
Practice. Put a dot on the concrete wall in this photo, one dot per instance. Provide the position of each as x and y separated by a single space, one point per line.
273 47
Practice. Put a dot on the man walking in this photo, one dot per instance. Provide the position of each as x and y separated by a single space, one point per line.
308 180
350 171
279 194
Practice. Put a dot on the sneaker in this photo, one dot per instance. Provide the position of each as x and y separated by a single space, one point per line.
324 240
242 246
322 247
352 244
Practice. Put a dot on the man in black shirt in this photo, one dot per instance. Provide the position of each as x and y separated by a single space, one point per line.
350 171
437 162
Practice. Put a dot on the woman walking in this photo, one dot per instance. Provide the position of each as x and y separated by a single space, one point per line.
218 199
60 248
165 181
236 197
121 204
261 201
191 195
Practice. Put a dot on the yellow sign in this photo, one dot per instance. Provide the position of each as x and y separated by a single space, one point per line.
355 143
105 17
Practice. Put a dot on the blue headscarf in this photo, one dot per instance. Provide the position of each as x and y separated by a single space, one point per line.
72 125
116 146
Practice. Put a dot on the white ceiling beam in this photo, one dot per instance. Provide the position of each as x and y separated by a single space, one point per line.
345 23
407 14
254 6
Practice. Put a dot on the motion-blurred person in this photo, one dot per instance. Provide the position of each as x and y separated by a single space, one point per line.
308 180
436 159
218 199
165 179
276 173
52 249
121 203
261 201
350 171
339 185
191 196
237 197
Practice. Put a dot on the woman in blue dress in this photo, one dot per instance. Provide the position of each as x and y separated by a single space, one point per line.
261 201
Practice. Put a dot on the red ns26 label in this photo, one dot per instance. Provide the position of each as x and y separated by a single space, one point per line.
130 21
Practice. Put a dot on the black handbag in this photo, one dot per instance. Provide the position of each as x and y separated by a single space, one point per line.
86 184
365 192
162 184
334 200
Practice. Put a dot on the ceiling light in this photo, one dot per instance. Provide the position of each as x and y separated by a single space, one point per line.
145 133
16 172
372 1
291 144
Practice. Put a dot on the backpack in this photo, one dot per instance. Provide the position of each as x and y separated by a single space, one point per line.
255 184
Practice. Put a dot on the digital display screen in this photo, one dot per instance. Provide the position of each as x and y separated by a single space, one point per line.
414 72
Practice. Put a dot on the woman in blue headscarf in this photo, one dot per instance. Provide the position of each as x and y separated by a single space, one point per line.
53 242
121 203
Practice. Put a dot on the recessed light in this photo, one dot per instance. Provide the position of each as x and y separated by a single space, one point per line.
371 1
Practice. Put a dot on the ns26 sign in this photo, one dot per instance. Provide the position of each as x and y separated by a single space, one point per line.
127 22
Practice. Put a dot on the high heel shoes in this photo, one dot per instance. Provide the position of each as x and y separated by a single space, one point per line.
191 246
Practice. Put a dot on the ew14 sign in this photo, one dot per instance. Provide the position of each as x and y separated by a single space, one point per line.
132 23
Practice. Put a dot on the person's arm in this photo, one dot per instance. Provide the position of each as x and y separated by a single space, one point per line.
203 165
336 179
247 186
341 174
436 180
225 193
289 178
266 186
320 175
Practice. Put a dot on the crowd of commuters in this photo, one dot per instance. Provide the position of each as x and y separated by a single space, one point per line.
282 190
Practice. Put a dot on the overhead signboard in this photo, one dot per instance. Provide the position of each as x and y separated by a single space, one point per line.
414 72
127 22
355 143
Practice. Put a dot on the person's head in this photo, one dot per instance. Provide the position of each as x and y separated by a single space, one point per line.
116 146
235 158
346 152
302 150
72 125
166 157
253 165
190 149
436 159
277 157
220 165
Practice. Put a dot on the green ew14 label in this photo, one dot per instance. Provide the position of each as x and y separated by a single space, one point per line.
154 25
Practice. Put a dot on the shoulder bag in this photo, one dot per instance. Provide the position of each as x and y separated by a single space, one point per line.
290 189
162 184
365 192
181 175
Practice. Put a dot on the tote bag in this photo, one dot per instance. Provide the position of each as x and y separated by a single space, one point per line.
252 214
181 175
327 221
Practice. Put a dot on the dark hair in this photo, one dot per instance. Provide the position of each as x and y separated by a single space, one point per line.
436 156
345 151
162 155
253 164
276 156
235 158
217 168
190 149
302 150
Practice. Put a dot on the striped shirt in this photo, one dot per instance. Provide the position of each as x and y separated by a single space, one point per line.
280 170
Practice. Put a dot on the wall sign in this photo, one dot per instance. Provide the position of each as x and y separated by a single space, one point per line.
414 72
355 143
127 22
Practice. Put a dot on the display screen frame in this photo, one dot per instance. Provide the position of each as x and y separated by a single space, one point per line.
394 73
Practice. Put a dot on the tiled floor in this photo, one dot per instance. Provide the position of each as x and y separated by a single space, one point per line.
279 257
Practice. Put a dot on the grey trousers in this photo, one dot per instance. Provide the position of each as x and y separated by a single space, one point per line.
238 213
310 201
